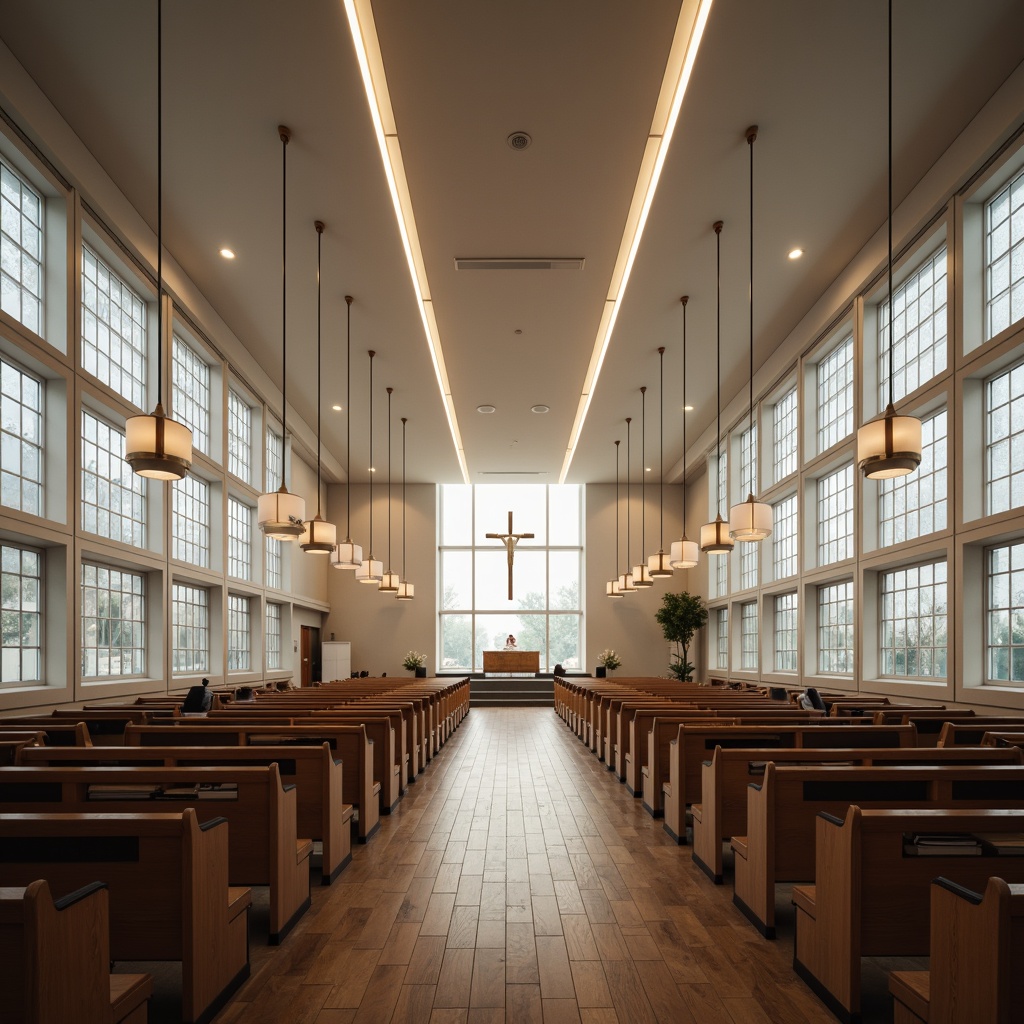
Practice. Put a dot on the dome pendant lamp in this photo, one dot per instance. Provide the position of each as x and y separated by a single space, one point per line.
281 513
751 520
406 591
658 565
348 555
626 579
370 570
714 536
611 588
390 580
155 446
684 553
891 445
641 576
320 536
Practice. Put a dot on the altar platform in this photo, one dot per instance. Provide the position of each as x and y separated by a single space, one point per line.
511 691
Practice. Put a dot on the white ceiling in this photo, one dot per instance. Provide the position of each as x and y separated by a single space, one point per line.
581 77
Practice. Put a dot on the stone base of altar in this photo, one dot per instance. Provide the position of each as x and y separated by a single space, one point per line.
512 691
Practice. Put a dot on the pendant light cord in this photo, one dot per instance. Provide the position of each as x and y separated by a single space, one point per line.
404 503
370 552
684 300
617 443
389 478
285 135
751 135
892 316
661 454
643 471
160 202
718 371
348 418
319 239
629 568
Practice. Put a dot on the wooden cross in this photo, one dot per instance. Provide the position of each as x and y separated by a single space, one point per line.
510 540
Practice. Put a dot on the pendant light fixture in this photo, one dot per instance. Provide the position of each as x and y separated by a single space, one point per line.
370 570
714 536
281 513
658 565
641 575
626 579
320 536
156 446
611 588
891 445
348 555
406 591
751 520
390 580
684 552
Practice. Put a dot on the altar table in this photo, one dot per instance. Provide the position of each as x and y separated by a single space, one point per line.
515 662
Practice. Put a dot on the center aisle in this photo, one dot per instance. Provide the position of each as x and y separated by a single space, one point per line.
518 881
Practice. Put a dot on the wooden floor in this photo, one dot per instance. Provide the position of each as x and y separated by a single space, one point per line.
497 892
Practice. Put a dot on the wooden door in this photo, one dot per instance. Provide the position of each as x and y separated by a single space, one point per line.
309 650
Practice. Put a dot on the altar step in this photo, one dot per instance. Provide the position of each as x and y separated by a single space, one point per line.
512 691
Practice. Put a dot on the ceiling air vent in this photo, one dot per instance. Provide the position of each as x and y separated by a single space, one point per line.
518 263
511 472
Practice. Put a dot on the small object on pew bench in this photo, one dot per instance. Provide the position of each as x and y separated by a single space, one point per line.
941 844
1003 844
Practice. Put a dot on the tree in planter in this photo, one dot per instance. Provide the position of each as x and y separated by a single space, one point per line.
680 616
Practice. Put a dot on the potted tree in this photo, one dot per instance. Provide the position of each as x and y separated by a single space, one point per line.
680 616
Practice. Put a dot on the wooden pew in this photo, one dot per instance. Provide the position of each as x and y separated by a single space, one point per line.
977 947
871 899
781 811
349 742
722 811
265 848
200 921
12 744
998 738
971 734
56 957
321 812
105 726
60 733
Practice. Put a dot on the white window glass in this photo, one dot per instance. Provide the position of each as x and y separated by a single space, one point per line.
919 330
749 554
784 435
914 505
190 521
190 626
21 250
239 539
835 516
835 395
239 633
1004 613
113 622
113 330
113 497
21 659
274 469
722 491
272 562
722 638
720 563
1004 440
784 537
21 439
835 628
1004 257
273 635
190 393
748 636
239 438
720 567
748 462
914 621
785 633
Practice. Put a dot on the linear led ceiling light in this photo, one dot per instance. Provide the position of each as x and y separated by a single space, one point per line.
693 17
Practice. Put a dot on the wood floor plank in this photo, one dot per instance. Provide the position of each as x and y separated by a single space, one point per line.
488 979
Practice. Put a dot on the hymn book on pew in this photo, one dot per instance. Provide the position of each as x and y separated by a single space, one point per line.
941 844
1003 844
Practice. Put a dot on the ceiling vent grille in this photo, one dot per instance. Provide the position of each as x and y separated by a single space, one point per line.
512 472
518 263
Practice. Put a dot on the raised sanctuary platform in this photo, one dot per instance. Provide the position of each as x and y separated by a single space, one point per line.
512 691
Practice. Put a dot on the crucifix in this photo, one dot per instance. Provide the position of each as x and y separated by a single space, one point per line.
510 540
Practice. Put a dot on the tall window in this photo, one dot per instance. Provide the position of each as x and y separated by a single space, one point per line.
835 628
273 636
1004 257
914 621
919 330
113 622
748 636
1004 634
748 461
722 638
784 435
21 439
190 625
272 563
21 250
784 537
1004 440
239 633
190 521
546 613
914 505
720 563
190 394
749 554
113 497
274 469
113 330
835 395
785 633
835 516
239 539
22 615
239 438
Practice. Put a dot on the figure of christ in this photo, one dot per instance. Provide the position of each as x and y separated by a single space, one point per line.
510 540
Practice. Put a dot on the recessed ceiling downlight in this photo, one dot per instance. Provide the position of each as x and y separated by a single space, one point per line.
540 409
519 141
485 410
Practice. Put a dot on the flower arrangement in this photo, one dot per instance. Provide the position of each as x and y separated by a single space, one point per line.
414 660
609 659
